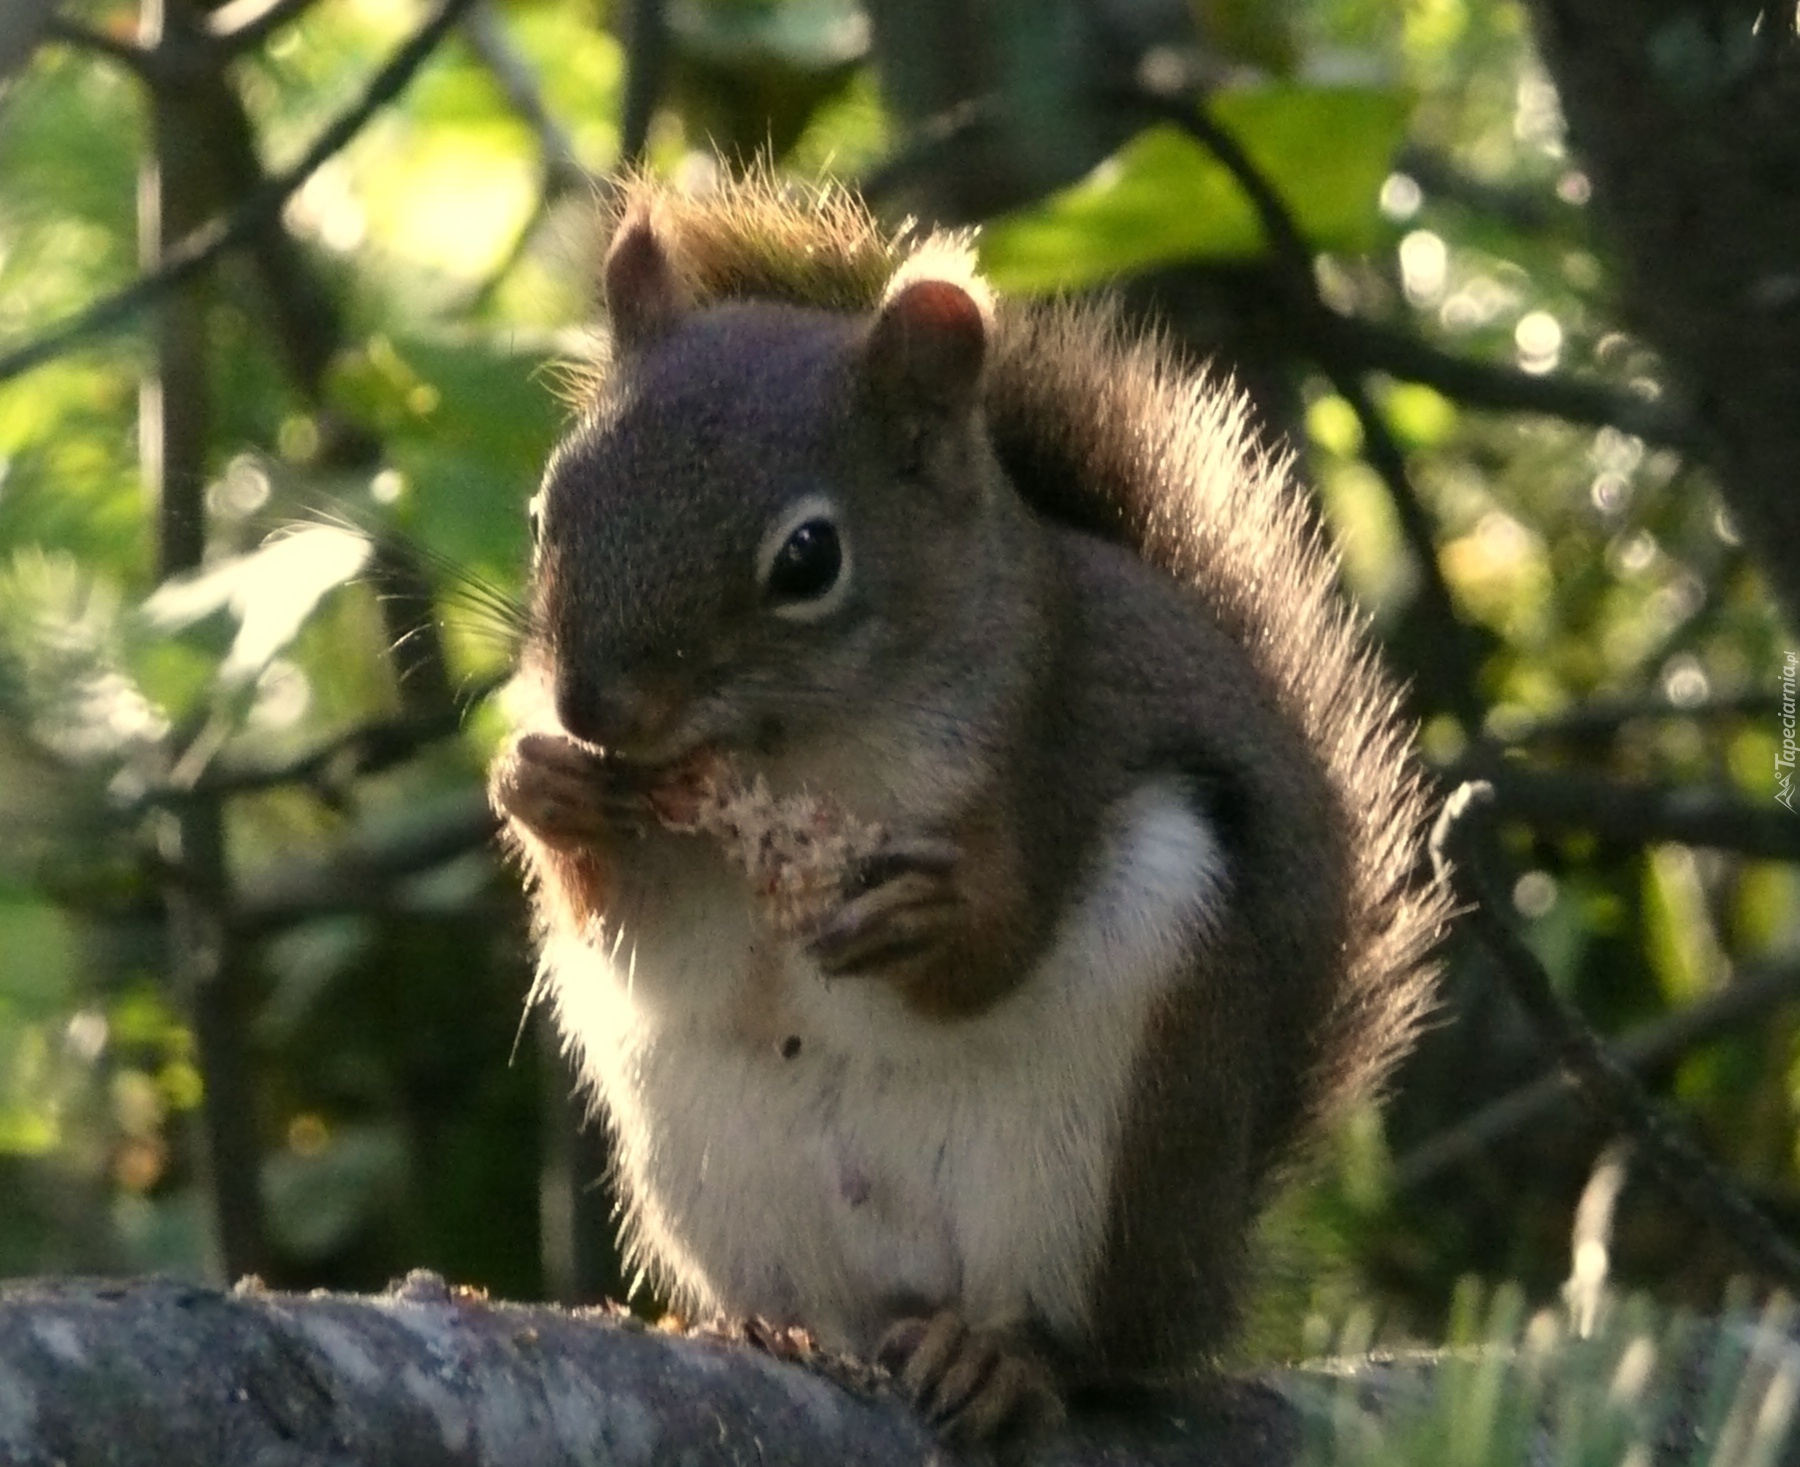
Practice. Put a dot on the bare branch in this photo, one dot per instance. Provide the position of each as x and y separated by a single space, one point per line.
1649 1046
1636 813
146 1374
1459 846
198 250
1530 209
365 875
1604 717
562 170
368 748
519 84
646 74
1385 456
1372 347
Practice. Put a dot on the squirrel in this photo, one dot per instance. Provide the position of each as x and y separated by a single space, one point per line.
1134 900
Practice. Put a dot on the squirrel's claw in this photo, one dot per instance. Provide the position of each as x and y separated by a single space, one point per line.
563 793
971 1385
898 902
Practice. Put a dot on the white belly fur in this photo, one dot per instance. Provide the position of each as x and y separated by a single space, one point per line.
894 1162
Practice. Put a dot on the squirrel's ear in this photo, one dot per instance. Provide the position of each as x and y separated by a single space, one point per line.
644 299
925 350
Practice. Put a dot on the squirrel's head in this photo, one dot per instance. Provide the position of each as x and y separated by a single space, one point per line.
765 515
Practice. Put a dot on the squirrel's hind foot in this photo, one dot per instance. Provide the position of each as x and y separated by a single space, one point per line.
973 1386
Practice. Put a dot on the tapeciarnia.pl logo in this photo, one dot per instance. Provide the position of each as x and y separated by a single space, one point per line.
1784 756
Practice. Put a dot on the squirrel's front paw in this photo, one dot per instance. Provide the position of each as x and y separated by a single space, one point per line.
564 793
971 1385
897 904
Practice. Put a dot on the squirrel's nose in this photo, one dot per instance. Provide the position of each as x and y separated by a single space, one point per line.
627 714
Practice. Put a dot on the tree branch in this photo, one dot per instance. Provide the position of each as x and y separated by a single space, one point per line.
364 874
646 75
1647 1047
368 748
1294 257
1634 812
519 84
1373 347
151 1373
562 169
1528 208
204 964
1459 848
197 251
1600 718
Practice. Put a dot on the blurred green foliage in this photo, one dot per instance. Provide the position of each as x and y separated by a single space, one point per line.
1417 144
1620 1381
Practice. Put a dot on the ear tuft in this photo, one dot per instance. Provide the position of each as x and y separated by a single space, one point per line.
644 297
927 346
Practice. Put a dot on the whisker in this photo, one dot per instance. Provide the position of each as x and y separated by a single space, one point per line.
533 997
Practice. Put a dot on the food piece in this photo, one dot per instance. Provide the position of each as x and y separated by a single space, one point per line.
797 850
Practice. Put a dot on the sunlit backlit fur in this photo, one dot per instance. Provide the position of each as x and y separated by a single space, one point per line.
1195 923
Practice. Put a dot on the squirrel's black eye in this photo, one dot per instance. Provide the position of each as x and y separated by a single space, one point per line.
807 565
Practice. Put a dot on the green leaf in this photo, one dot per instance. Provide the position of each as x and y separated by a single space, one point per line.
1163 197
470 464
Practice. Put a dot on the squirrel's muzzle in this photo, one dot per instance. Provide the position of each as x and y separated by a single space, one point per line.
635 715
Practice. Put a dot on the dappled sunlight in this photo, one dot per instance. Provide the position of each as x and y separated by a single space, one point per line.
1501 571
271 591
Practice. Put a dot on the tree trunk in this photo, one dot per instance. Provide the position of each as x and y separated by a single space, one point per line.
1686 116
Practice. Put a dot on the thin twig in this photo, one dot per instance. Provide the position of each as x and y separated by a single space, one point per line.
929 147
1531 209
519 84
1374 347
370 875
1634 812
1604 717
199 249
562 169
368 748
1459 846
1649 1046
1385 456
